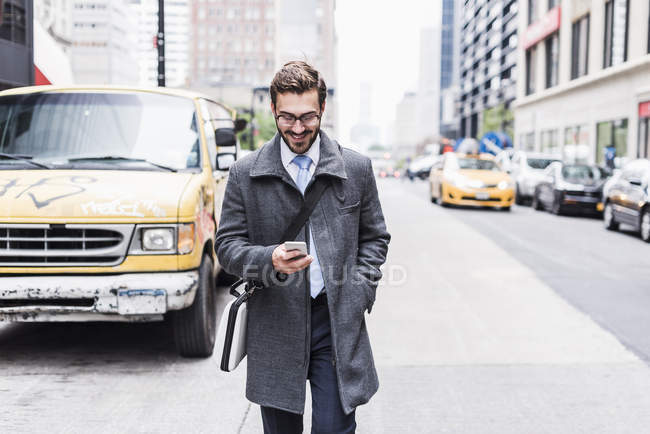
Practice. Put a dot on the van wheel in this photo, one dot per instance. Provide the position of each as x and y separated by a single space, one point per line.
195 327
608 218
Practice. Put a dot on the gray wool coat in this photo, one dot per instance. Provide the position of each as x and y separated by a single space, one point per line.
351 239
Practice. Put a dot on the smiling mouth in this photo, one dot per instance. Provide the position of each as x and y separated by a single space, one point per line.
298 136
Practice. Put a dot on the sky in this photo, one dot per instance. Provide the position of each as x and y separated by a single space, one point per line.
379 43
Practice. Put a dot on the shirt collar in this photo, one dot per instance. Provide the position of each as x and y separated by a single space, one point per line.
288 155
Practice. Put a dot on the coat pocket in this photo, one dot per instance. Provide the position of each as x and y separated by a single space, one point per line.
349 209
368 291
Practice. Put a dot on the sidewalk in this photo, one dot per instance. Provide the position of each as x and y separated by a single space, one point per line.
474 342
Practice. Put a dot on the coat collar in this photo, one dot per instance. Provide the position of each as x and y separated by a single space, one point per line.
269 161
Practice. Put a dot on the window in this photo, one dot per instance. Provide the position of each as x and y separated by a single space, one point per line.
552 4
13 22
643 148
611 133
616 16
550 142
580 47
552 60
532 11
214 117
531 56
576 144
528 141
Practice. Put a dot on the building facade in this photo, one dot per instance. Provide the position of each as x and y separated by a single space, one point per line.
16 43
488 67
306 32
104 38
53 32
177 41
429 80
236 48
449 68
405 130
232 43
584 80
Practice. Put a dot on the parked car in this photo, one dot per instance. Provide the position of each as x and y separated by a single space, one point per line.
109 203
570 187
470 179
628 201
421 167
526 169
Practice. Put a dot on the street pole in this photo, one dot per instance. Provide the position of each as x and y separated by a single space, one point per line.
160 42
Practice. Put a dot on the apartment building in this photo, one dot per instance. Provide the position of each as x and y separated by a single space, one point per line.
584 78
104 36
488 66
232 43
177 41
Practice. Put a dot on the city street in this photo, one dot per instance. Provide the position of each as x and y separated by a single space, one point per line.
485 322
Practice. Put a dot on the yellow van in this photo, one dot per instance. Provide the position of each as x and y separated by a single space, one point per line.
109 203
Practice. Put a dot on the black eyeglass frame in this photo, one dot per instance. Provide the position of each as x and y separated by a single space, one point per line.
293 119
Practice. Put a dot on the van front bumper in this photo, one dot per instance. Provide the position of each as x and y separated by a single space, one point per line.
121 297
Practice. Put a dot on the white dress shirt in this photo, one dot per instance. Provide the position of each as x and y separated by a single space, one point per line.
287 155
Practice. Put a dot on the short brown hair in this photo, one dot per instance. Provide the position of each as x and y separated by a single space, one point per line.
298 77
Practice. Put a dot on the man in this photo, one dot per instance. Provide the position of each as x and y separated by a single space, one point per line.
307 323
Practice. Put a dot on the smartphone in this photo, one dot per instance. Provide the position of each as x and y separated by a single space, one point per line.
296 245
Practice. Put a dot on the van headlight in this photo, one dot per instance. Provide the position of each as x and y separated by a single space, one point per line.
164 239
157 239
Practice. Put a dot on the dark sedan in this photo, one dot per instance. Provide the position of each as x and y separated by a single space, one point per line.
570 187
628 201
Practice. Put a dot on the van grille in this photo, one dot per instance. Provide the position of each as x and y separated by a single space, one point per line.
61 244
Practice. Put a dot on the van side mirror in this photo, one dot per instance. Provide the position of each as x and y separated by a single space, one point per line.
240 125
225 160
225 137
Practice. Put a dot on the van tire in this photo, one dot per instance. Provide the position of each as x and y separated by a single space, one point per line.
195 327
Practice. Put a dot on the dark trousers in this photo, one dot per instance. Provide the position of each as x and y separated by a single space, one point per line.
327 413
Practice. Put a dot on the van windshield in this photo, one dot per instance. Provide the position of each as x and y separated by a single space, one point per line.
77 129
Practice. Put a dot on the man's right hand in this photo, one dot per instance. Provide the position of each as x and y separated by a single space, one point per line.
284 260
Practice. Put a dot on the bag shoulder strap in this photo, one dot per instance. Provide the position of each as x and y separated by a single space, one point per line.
320 185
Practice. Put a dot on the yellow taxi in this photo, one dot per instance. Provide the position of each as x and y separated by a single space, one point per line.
470 180
109 203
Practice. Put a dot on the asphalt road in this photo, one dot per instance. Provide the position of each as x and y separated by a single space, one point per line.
485 322
604 274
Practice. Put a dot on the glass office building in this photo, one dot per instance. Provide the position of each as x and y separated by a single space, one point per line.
16 43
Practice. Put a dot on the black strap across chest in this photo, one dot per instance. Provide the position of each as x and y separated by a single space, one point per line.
311 199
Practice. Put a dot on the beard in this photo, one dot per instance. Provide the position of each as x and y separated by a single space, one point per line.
301 144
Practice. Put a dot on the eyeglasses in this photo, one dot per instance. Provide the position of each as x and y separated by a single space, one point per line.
289 120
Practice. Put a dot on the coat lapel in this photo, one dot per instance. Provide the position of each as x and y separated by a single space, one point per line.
269 163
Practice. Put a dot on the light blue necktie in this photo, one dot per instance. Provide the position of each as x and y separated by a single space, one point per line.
315 273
